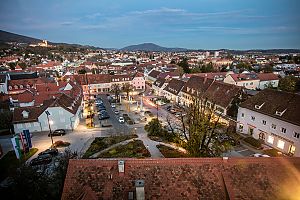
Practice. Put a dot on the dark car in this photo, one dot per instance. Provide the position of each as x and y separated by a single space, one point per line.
50 151
41 160
58 132
104 116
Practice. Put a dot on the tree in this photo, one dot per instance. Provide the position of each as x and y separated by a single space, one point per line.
116 89
127 87
288 83
6 118
243 66
12 65
185 65
82 71
201 129
154 127
268 68
22 65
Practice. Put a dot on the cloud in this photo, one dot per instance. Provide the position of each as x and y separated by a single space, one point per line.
159 11
67 23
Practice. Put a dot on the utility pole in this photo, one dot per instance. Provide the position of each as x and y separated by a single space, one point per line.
47 113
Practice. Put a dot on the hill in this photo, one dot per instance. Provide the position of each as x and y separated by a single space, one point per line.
12 37
151 47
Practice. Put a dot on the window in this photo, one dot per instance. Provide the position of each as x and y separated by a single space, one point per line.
264 122
296 135
243 115
241 127
270 139
250 130
283 130
251 83
273 126
252 118
280 144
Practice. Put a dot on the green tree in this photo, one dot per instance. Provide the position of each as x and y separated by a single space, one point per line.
82 71
12 65
185 65
6 117
288 83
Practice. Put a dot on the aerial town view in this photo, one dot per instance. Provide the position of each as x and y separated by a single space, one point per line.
137 100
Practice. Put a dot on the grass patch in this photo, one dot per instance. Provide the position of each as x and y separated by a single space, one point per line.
254 142
272 152
9 163
169 152
134 149
101 143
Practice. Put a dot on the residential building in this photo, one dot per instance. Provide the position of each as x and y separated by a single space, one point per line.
274 117
267 80
247 80
171 91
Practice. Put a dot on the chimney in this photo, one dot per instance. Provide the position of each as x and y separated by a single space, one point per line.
121 166
139 189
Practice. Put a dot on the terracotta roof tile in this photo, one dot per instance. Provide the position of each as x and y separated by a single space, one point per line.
185 178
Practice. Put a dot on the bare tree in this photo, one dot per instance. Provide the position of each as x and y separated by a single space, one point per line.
116 89
127 87
200 129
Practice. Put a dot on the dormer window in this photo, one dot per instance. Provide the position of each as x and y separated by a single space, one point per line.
21 86
259 106
25 114
278 113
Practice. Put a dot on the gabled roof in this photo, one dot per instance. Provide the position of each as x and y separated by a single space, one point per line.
221 93
184 178
244 77
154 74
174 86
197 85
159 82
272 101
267 76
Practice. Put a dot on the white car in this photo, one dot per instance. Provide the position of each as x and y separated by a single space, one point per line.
113 105
260 155
121 120
117 112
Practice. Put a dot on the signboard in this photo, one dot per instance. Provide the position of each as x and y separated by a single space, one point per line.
16 144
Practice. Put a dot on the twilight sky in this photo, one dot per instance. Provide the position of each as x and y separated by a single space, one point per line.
196 24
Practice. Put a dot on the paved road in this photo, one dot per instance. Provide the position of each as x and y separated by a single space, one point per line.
120 128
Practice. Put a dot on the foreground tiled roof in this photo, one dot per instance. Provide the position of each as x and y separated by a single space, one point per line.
189 178
272 101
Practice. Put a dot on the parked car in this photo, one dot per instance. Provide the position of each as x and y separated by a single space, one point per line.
113 105
41 160
117 112
260 155
125 115
50 151
103 116
101 108
121 120
57 132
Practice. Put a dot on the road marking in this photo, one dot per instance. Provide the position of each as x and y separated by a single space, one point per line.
242 150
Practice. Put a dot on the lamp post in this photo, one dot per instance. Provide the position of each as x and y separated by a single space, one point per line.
47 113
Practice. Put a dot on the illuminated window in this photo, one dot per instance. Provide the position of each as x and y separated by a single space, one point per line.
270 139
280 144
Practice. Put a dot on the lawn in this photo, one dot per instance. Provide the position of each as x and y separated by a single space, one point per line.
9 163
101 143
134 149
169 152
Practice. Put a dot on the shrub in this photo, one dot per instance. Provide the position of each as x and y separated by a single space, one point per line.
60 143
271 152
252 141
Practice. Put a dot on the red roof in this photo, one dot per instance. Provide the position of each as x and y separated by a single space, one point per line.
267 77
184 178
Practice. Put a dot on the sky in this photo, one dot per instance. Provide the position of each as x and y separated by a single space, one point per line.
193 24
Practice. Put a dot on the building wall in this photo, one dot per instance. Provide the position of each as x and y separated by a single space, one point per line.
31 126
264 84
260 129
138 83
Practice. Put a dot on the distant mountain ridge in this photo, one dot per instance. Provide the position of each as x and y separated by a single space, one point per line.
151 47
12 37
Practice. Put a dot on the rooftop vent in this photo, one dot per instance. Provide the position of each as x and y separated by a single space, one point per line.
121 166
25 114
278 113
259 106
139 189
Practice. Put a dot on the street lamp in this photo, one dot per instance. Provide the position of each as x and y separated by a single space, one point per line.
49 123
